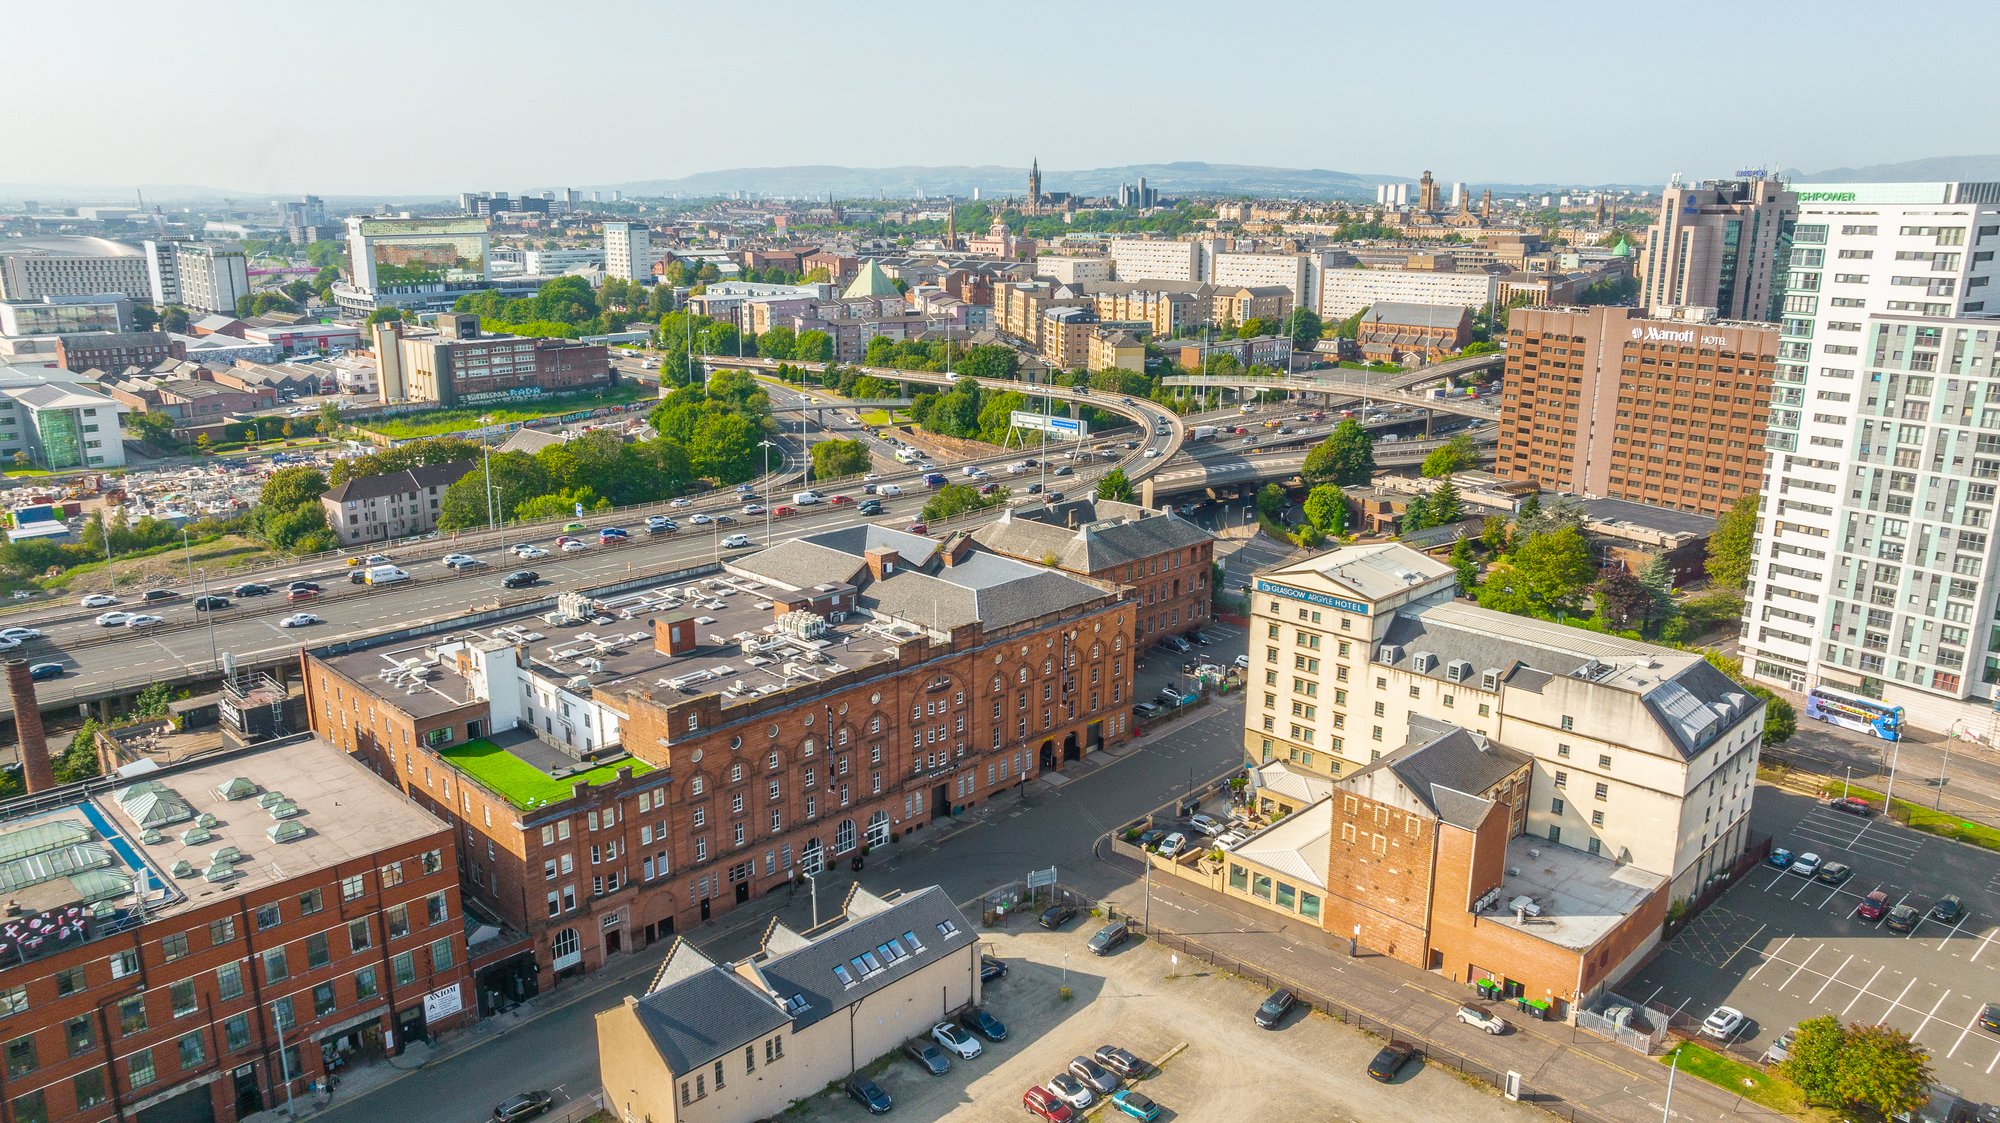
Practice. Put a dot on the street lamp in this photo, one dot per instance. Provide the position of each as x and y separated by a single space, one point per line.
186 552
767 446
486 453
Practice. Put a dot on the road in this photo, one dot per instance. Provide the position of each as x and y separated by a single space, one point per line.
1053 825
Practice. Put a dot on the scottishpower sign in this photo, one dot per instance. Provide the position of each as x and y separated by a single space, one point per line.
1062 428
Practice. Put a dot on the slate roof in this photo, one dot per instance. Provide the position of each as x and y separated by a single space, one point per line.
406 482
809 970
707 1015
1106 534
1409 314
1612 511
1443 768
987 589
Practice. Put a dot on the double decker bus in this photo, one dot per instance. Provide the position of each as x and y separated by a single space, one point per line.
1849 711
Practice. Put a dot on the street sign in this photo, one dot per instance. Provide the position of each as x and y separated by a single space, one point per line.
1062 428
1041 879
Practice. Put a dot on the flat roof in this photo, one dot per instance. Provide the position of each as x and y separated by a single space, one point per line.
1574 899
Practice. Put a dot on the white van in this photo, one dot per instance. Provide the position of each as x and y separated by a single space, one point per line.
888 491
385 575
806 498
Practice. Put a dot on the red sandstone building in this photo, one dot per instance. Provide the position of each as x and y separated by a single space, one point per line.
1167 560
630 764
1613 403
195 943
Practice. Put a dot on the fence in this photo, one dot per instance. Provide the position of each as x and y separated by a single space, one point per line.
1550 1102
1634 1025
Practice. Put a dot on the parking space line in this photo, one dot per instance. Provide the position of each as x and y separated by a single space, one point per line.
1808 885
1962 1034
1863 990
1741 946
1991 1063
1830 978
1800 967
1984 942
1929 1016
1897 1002
1952 931
1780 950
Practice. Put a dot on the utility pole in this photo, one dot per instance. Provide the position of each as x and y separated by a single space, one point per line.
1673 1070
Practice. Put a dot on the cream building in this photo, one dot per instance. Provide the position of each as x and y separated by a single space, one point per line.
1157 259
1349 645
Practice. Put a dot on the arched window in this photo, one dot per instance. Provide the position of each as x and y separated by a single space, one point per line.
735 772
567 949
843 837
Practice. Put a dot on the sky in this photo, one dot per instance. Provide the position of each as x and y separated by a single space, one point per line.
424 96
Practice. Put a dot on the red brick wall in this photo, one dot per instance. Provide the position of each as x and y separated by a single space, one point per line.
1172 591
1379 876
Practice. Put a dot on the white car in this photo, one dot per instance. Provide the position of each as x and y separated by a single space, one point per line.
1072 1091
460 561
1205 825
1230 839
1172 845
8 643
1017 469
872 477
113 619
753 509
98 600
20 633
701 520
143 620
1243 661
736 542
971 472
1724 1023
1152 453
528 550
299 620
682 502
1806 864
956 1040
572 546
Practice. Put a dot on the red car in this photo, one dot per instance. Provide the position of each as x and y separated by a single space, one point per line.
920 528
1872 906
1042 1102
300 594
1852 805
837 500
783 510
565 540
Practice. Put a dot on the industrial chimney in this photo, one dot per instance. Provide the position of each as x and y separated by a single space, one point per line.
36 772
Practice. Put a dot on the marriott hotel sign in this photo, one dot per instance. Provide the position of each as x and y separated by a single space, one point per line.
1654 334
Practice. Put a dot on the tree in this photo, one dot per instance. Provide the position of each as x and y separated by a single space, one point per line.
1658 579
1493 533
1621 600
813 347
1451 457
1252 328
1115 486
1304 326
79 761
956 499
1346 457
832 459
1729 544
1350 328
1530 508
1874 1066
1326 508
1271 502
1416 515
1466 568
1446 504
777 343
1543 578
725 448
560 505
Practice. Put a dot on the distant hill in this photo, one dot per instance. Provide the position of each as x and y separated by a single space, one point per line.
1938 168
999 182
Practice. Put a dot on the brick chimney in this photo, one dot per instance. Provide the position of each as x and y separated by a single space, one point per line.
36 772
882 561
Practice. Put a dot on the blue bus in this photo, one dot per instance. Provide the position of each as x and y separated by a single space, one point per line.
1849 711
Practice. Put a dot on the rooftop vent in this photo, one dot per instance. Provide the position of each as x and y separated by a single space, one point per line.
270 797
285 810
286 832
195 836
206 819
182 868
238 788
219 872
226 854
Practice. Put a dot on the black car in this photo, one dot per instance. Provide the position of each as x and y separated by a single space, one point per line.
1391 1060
251 589
1902 918
153 596
1052 497
1150 839
929 1056
1055 916
1948 910
1108 937
1065 470
1034 489
521 579
725 520
1199 638
41 671
1119 1061
864 1092
1833 873
527 1105
991 969
303 586
984 1024
210 603
1274 1008
870 507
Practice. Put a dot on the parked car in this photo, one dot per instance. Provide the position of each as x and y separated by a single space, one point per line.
1833 873
865 1092
1989 1017
1806 864
1873 906
1243 661
991 968
1390 1061
1230 839
1118 1060
40 671
956 1040
1902 918
1099 1078
1779 858
1043 1103
984 1024
1205 825
1781 1049
929 1056
1149 839
210 603
1134 1103
1108 937
251 589
1273 1009
1172 694
1851 805
1948 910
1072 1091
299 620
1149 709
1723 1023
1481 1018
520 579
1172 845
527 1105
1055 916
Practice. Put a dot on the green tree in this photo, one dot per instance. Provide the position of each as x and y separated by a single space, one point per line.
1252 328
1813 1062
1463 564
1114 485
1451 457
1304 326
1621 600
813 347
516 476
1876 1067
1729 544
956 499
1530 508
560 505
725 448
1271 502
1350 328
1493 533
833 459
1480 347
1544 577
1416 515
1326 509
1446 504
175 319
777 343
79 761
1346 457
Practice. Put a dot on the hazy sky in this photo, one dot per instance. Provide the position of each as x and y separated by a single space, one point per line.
427 96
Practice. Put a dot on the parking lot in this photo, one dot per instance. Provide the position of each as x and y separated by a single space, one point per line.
1212 1061
1782 948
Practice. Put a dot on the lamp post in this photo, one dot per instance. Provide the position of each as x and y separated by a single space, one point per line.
1673 1070
284 1061
486 455
766 445
186 552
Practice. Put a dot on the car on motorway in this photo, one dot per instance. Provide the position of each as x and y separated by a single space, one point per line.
1206 824
1723 1023
870 507
837 500
1072 1091
659 524
1948 909
40 671
725 520
1851 805
1833 873
991 968
1902 918
1100 1079
1480 1018
737 542
956 1040
20 634
1873 906
1805 865
1118 1060
573 545
251 589
918 527
681 503
113 619
701 518
1391 1060
296 595
155 596
783 511
888 491
1055 916
1044 1105
460 561
527 1105
1779 858
866 1093
299 620
929 1056
1152 453
520 579
1274 1008
143 620
1064 470
98 600
529 550
753 509
1172 845
983 1023
1109 937
610 534
573 528
375 559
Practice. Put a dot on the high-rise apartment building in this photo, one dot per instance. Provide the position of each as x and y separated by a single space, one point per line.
388 253
199 276
1719 245
1874 572
628 251
32 268
1615 403
1157 259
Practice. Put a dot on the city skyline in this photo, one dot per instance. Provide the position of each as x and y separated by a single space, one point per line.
386 127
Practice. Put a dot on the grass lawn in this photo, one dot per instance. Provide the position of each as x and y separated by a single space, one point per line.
524 785
164 567
1751 1083
20 473
877 418
1917 817
431 423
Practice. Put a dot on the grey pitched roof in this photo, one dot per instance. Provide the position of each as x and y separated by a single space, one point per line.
985 588
1444 768
809 971
1106 534
801 564
1404 312
708 1014
400 483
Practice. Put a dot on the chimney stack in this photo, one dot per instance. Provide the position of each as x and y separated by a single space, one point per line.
36 771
